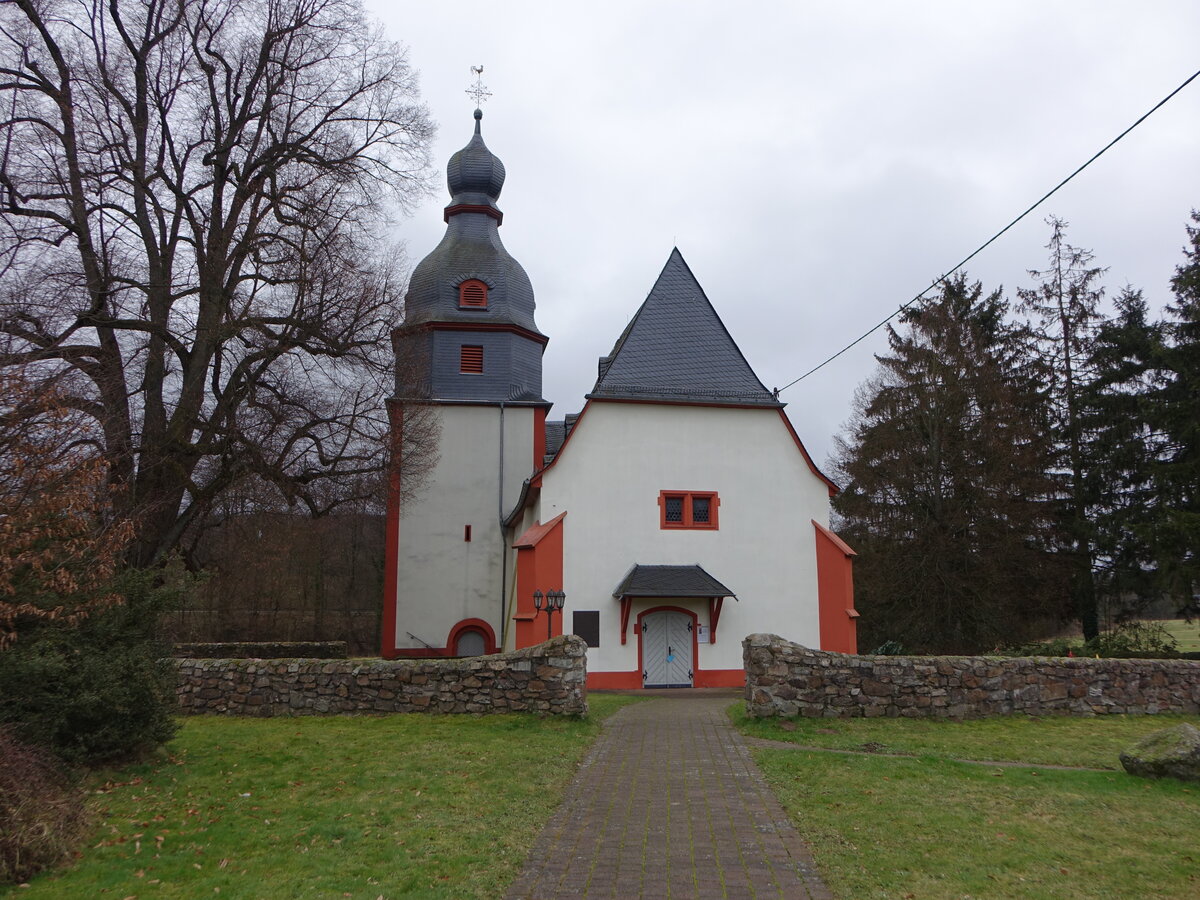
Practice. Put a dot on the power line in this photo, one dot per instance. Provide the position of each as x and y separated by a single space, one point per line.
994 237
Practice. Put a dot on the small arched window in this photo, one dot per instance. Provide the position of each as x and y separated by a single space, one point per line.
472 294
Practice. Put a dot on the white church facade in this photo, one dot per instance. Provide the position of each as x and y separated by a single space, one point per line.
675 514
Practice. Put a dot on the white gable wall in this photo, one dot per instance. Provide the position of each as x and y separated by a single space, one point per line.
608 478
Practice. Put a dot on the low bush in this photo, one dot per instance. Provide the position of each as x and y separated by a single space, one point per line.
1140 640
98 690
1128 640
42 819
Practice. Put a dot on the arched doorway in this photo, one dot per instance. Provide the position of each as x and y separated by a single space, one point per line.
470 642
471 637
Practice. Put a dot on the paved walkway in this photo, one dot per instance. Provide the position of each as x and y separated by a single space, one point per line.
668 803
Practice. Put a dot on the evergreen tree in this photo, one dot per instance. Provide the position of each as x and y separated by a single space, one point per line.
1174 414
1122 452
1065 315
945 495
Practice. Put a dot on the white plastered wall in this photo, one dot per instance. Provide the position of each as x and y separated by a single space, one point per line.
441 578
608 478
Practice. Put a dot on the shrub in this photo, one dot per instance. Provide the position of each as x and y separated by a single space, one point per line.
1056 647
1142 640
98 690
42 819
60 543
1129 640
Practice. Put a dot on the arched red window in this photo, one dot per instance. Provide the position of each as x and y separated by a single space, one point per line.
472 294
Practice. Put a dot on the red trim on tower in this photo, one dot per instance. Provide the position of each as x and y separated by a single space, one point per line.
472 208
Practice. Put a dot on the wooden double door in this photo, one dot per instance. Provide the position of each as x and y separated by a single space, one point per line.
667 641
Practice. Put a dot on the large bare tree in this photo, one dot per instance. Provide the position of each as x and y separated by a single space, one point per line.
193 196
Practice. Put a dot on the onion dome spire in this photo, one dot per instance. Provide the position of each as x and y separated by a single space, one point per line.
475 175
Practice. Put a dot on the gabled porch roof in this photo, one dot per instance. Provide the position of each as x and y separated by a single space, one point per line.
670 581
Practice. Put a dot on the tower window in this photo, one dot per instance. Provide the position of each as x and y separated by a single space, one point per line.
470 360
472 294
688 509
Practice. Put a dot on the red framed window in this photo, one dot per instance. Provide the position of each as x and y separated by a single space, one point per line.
470 359
688 509
472 294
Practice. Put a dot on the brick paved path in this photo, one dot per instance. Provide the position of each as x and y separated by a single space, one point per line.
668 803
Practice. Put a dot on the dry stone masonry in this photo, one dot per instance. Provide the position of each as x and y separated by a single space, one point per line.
549 679
786 679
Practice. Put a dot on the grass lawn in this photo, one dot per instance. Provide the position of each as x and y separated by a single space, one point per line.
1186 634
931 827
361 807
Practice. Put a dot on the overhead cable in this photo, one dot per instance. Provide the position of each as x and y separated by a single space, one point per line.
937 281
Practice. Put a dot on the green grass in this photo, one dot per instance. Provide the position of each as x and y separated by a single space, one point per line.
931 827
362 807
1186 634
1044 740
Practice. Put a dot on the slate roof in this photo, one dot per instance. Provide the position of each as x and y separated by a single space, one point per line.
471 248
556 433
676 348
670 581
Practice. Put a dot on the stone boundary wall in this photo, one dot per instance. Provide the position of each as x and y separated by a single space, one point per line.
550 679
786 679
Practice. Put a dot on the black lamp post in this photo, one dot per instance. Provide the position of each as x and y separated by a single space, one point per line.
552 601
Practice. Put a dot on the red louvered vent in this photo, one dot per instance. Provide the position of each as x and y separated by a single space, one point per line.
473 294
470 360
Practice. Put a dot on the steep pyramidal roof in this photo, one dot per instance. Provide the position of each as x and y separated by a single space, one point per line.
677 349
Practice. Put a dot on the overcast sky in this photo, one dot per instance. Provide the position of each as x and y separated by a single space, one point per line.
816 164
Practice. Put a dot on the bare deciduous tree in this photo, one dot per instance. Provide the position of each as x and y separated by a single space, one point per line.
192 194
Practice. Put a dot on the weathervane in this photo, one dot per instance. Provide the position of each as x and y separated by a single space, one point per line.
478 91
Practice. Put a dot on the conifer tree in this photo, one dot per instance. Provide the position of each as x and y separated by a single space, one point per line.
1123 448
1065 313
1174 414
945 495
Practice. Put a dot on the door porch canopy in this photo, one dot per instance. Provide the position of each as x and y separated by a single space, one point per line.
672 581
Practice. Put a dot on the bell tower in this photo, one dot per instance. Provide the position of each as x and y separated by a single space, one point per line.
469 355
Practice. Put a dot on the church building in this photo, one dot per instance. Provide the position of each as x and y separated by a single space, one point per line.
676 513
